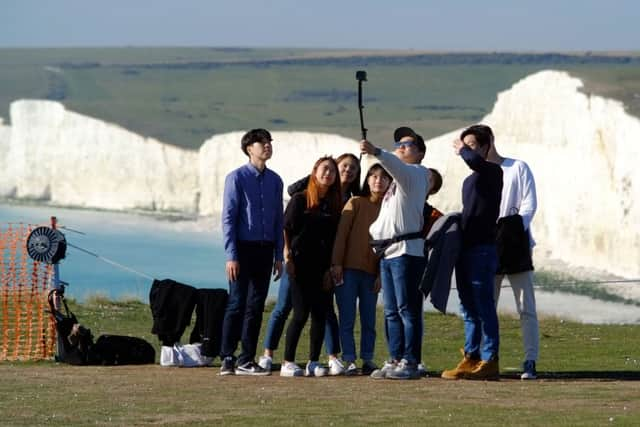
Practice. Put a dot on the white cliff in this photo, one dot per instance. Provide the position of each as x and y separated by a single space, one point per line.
294 154
57 156
5 140
65 158
583 151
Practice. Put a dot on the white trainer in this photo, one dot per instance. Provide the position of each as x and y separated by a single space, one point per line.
382 373
265 363
315 369
290 369
336 367
351 370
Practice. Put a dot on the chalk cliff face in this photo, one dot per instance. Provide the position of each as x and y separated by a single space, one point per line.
294 154
5 140
583 151
59 156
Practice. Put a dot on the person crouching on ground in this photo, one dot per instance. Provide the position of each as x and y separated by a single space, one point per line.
252 223
355 270
310 224
477 263
400 223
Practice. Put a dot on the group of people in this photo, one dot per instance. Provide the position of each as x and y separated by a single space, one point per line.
338 241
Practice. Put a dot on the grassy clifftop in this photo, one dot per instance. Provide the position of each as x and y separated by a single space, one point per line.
589 376
184 95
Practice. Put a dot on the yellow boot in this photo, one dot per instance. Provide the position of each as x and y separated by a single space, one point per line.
466 366
485 370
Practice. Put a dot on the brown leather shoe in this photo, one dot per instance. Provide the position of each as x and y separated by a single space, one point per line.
488 370
466 366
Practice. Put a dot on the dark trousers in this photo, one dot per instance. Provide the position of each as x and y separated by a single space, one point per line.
307 298
243 316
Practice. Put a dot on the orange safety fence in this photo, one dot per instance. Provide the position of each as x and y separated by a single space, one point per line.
27 329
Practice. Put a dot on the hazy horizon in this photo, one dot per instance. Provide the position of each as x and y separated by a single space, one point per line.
497 25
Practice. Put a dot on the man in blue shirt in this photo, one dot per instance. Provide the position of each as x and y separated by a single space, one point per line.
252 228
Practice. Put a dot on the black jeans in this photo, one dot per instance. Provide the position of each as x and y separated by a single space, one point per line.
307 298
243 315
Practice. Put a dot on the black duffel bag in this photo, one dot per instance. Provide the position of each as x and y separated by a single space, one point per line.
121 350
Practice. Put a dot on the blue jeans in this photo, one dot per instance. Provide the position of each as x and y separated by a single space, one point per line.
402 301
279 316
475 276
243 314
358 285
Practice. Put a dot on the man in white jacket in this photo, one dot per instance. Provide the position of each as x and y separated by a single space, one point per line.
403 262
519 197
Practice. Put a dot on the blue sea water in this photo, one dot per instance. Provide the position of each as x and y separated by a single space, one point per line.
188 251
191 252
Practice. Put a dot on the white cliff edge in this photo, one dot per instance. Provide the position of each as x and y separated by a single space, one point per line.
583 151
58 156
294 154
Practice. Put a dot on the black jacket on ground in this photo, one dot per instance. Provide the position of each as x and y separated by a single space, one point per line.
171 305
210 307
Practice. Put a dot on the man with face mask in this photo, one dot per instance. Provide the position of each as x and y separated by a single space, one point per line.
477 263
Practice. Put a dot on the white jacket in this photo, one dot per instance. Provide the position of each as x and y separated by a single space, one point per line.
518 192
402 205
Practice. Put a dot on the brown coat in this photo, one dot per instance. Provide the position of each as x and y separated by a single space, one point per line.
351 249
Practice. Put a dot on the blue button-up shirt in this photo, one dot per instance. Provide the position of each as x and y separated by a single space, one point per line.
252 209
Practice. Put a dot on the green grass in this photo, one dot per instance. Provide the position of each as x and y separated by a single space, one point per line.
183 96
589 376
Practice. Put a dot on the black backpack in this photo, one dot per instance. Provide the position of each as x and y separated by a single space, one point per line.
74 340
76 346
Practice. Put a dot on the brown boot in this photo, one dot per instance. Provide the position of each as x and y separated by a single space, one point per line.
488 370
466 366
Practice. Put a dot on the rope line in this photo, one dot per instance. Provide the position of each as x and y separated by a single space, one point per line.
109 261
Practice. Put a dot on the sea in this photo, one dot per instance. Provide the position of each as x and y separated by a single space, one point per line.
190 251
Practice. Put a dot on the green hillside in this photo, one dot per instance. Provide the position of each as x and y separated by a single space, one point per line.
184 95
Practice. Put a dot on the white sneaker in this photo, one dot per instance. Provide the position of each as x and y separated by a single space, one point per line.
169 356
265 363
352 369
336 367
404 371
290 369
315 369
382 373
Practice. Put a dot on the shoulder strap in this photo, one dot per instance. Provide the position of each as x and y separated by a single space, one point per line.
57 314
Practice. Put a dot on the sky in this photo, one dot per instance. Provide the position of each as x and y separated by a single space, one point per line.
459 25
